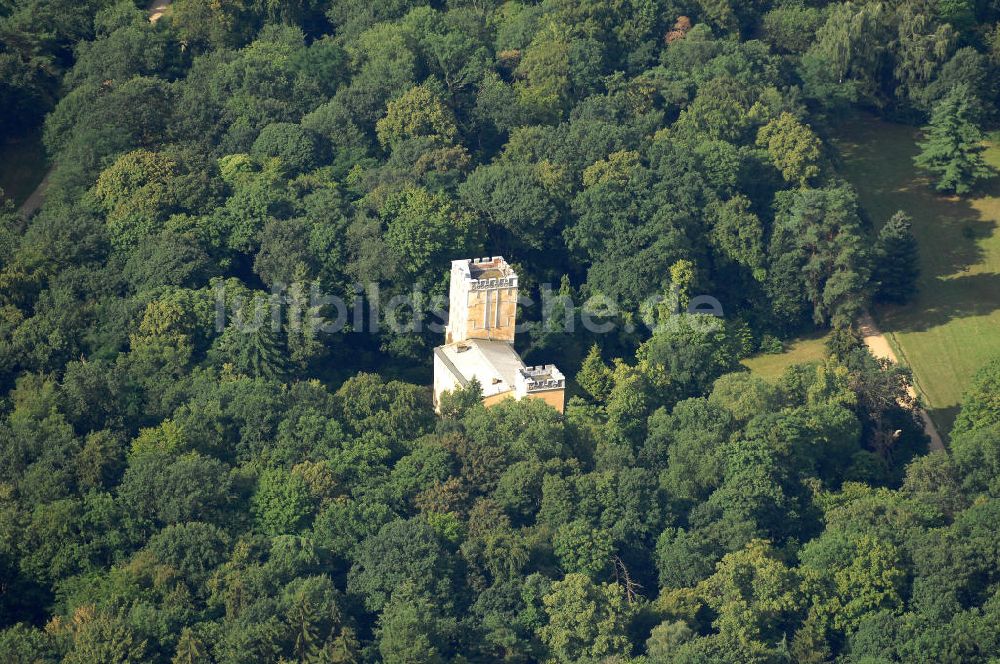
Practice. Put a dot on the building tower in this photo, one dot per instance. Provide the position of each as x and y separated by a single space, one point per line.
482 301
479 339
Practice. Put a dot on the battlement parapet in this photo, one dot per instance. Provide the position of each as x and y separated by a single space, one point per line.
487 273
539 369
496 282
540 377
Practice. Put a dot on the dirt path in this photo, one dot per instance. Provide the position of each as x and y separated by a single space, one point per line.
34 201
31 204
879 347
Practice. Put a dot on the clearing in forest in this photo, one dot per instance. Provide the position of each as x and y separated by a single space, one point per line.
952 327
771 366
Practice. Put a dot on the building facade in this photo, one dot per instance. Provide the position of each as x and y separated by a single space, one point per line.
479 339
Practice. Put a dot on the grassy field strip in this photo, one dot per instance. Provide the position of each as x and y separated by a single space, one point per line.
901 355
806 349
953 326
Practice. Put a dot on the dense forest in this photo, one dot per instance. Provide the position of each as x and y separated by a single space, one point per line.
177 486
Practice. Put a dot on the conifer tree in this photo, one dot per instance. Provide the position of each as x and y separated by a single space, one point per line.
190 649
953 147
251 349
595 377
896 265
303 325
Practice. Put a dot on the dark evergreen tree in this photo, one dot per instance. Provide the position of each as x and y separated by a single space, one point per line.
896 265
595 376
953 148
251 349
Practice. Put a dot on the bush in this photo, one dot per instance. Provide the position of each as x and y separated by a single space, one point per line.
771 345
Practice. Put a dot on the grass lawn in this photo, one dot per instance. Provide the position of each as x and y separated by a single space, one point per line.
953 325
805 349
22 167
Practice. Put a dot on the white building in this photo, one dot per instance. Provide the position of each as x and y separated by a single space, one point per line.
480 335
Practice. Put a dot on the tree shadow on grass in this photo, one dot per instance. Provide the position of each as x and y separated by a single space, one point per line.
953 245
878 158
944 419
948 290
956 297
949 228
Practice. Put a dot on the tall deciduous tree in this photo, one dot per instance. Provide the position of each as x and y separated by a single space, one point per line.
424 229
981 402
753 594
586 620
417 112
402 551
413 630
793 147
849 55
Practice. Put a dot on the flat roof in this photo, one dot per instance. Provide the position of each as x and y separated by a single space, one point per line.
494 363
542 375
489 273
489 267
